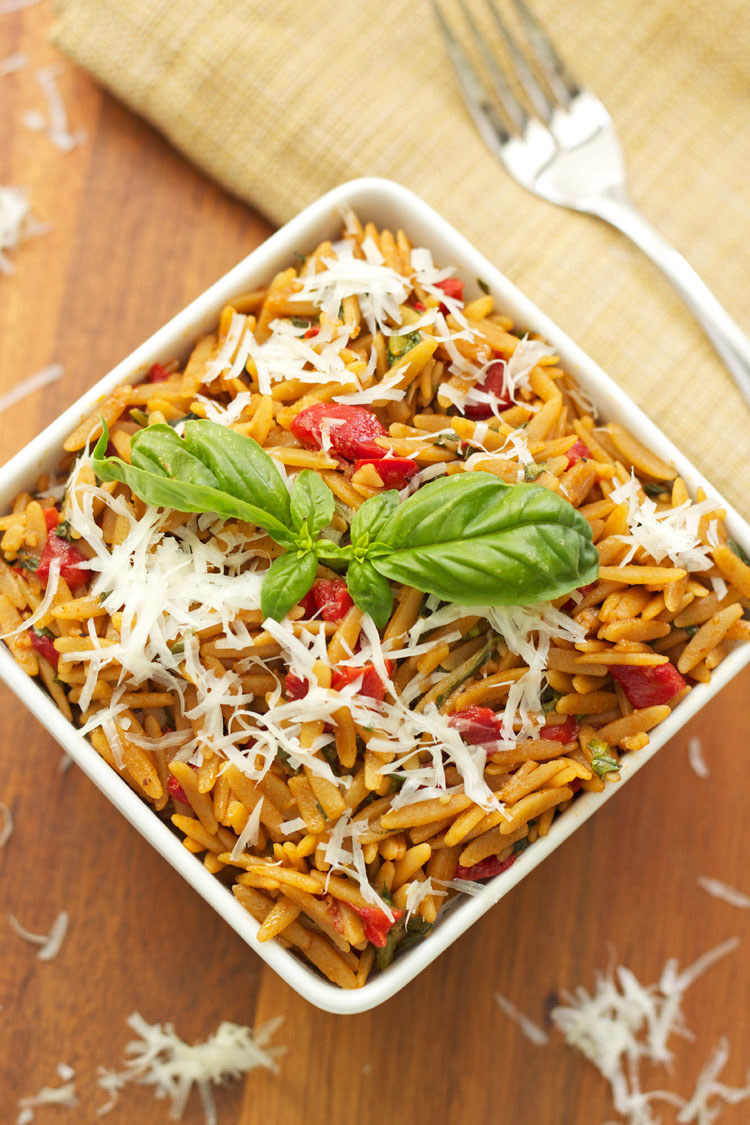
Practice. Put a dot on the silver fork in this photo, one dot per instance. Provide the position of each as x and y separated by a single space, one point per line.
566 151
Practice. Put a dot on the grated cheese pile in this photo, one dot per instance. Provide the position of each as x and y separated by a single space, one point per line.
623 1022
172 1067
672 533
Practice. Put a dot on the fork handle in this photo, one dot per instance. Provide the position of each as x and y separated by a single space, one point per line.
726 336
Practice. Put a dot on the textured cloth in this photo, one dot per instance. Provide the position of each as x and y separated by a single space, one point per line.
281 100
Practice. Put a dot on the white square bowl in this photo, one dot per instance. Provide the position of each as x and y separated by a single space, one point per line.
388 205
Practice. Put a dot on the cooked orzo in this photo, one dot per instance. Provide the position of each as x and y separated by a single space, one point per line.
362 594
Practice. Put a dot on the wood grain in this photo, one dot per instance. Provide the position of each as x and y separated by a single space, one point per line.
137 233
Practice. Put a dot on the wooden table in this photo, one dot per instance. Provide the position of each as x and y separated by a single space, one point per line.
137 233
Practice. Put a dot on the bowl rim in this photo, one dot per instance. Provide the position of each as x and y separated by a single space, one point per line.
313 223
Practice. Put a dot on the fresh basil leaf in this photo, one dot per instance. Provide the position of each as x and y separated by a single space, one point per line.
370 591
287 580
370 517
154 487
471 539
158 449
242 468
312 502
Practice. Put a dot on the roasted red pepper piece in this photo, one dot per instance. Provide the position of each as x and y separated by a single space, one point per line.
560 732
296 687
313 330
45 646
352 433
157 373
175 790
308 603
393 471
332 598
376 923
648 687
477 724
493 383
74 569
51 518
372 685
486 868
452 287
576 452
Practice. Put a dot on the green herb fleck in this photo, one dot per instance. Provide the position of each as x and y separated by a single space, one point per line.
603 762
520 846
483 286
653 489
189 417
401 344
27 561
739 551
549 699
691 630
139 416
64 531
532 471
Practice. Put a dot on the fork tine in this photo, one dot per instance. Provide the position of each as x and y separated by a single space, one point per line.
508 100
561 82
477 98
534 91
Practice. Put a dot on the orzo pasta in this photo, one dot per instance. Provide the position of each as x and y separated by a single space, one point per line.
362 660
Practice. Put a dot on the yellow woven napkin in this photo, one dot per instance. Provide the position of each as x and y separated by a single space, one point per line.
280 101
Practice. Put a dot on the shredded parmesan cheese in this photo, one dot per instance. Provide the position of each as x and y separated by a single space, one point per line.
416 893
707 1087
29 386
16 223
696 759
670 533
56 125
250 833
7 829
533 1032
50 943
172 1067
64 1095
11 63
722 890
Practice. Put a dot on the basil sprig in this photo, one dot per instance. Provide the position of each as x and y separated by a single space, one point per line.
469 538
